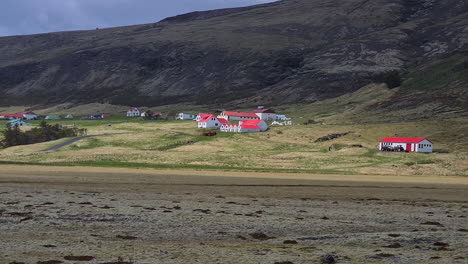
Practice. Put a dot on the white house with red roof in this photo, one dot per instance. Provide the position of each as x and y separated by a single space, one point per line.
200 116
265 114
210 120
237 116
246 126
133 112
422 145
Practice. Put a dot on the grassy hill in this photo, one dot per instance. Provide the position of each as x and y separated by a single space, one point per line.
179 144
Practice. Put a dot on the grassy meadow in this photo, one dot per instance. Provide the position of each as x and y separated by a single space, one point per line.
131 142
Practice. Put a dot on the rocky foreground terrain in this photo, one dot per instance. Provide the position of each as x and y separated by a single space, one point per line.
290 51
96 217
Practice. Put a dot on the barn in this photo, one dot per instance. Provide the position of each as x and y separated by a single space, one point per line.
422 145
228 115
211 121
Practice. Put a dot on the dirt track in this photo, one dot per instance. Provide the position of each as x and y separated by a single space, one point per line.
148 216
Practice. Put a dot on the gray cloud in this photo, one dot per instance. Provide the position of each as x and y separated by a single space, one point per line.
19 17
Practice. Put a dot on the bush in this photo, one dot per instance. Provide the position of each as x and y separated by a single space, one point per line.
13 136
391 78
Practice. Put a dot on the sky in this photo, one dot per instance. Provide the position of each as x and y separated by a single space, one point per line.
20 17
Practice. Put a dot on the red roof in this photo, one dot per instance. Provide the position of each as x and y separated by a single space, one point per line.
26 113
206 118
222 121
402 140
251 124
157 113
133 109
264 111
13 115
241 114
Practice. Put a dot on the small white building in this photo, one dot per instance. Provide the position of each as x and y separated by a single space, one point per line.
237 116
28 115
246 126
265 114
422 145
281 117
185 116
211 121
133 112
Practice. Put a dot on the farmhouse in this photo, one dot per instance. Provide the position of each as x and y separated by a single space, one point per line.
28 115
211 121
133 112
237 116
422 145
185 116
265 114
246 126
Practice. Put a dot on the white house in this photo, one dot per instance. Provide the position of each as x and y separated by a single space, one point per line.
211 121
422 145
237 116
246 126
133 112
28 115
265 114
185 116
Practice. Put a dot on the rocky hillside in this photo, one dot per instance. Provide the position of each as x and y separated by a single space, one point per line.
290 51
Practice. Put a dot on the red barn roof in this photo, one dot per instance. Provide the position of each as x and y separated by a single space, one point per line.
251 124
13 115
222 120
402 140
241 114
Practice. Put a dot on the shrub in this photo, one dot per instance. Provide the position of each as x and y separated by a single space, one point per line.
13 136
391 78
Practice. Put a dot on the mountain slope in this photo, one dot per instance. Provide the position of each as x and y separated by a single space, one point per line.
291 51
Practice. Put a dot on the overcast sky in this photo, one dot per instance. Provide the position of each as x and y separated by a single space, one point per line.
18 17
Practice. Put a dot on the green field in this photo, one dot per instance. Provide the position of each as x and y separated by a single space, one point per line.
130 142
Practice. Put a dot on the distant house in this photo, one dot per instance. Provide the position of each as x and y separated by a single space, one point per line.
200 116
11 116
185 116
28 115
53 117
422 145
133 112
265 114
246 126
237 116
211 121
69 116
92 117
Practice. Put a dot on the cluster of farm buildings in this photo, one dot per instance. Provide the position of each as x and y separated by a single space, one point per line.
232 121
